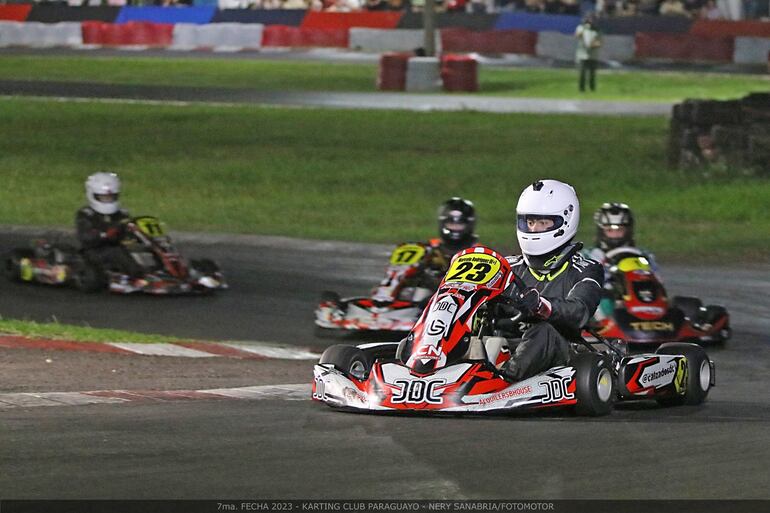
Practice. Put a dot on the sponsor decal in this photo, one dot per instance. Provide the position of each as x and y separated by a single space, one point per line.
507 394
681 376
445 305
658 374
654 310
652 326
353 395
437 327
555 390
417 391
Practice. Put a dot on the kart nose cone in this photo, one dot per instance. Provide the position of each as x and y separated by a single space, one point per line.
208 282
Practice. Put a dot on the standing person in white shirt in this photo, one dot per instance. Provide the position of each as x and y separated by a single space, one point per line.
588 43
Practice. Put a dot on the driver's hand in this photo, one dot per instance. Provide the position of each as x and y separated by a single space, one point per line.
532 305
111 233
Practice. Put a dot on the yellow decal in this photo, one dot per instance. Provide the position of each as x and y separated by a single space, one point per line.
476 268
407 254
634 264
150 226
653 326
681 376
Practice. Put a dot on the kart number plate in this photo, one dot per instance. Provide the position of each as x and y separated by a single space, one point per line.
150 226
407 254
477 268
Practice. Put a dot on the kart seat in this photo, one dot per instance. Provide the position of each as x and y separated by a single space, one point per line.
476 350
493 347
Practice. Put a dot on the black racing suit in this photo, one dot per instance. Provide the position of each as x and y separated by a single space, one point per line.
100 237
437 261
574 290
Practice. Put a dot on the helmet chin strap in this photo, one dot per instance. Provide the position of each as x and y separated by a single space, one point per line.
552 261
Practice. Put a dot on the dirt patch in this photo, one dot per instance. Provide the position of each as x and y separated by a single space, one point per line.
26 370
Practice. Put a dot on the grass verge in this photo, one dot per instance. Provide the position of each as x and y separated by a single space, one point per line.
370 176
265 75
54 330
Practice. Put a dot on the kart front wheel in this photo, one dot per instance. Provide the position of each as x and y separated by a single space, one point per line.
12 264
348 359
699 378
595 384
89 278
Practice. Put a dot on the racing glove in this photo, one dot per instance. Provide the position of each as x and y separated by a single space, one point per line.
111 233
532 305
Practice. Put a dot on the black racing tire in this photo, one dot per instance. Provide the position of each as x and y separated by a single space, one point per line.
331 297
348 359
12 263
205 266
595 388
88 277
712 314
698 380
690 306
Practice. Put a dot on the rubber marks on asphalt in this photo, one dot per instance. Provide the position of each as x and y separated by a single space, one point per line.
243 350
298 392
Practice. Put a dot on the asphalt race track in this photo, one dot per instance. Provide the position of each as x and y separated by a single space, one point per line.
299 450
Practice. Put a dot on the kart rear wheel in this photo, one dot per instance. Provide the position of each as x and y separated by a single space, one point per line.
89 278
690 306
595 390
348 359
698 380
205 266
12 263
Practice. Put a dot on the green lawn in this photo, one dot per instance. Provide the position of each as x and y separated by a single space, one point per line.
364 175
54 330
267 75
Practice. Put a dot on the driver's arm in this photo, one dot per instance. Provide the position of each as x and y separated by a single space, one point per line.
88 234
574 310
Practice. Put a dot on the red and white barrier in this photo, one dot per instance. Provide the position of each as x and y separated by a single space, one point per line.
218 36
40 35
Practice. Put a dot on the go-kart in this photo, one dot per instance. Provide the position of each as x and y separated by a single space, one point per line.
638 311
394 305
450 361
165 270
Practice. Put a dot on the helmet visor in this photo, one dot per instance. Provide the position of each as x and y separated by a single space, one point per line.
110 197
538 223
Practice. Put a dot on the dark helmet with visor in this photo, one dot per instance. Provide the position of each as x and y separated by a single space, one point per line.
457 222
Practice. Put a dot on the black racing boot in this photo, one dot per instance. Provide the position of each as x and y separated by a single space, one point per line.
510 371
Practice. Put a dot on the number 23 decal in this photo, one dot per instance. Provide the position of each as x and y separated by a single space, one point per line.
473 269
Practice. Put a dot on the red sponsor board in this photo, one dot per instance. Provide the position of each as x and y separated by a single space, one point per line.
14 12
730 28
126 34
346 20
684 47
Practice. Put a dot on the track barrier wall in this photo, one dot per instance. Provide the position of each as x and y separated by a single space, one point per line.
198 15
288 17
731 28
413 20
381 40
751 50
217 36
347 20
127 34
538 22
684 47
630 25
40 35
490 41
283 36
14 12
51 13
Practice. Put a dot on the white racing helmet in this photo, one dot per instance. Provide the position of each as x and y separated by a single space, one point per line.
102 192
547 217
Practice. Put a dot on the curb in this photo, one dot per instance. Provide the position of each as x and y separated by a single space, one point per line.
239 350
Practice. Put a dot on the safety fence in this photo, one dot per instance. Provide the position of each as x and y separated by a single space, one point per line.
540 35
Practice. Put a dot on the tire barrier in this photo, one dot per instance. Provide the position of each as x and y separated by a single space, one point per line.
397 40
731 135
288 17
727 28
392 73
52 13
538 22
459 73
630 25
423 74
347 20
490 41
40 35
479 22
14 12
751 50
127 34
197 15
217 37
297 37
684 47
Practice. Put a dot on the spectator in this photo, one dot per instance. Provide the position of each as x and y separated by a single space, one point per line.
673 8
710 11
589 40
